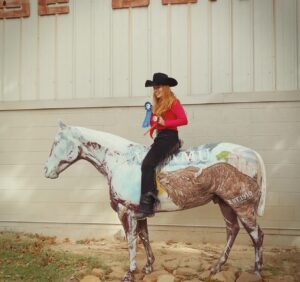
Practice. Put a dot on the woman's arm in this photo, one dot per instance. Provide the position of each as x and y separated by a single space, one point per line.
181 118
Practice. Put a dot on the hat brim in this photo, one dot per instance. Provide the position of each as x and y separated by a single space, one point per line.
149 83
170 82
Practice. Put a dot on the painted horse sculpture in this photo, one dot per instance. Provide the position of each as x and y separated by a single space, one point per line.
231 175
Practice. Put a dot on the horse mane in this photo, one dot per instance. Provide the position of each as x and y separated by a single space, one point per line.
101 138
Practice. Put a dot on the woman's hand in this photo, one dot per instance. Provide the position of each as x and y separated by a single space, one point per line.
161 121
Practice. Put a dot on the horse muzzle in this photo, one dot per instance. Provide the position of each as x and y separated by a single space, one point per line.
50 174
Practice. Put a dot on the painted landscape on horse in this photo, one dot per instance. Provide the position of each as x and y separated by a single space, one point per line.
231 175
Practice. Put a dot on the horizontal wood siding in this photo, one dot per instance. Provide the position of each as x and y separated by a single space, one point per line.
94 51
80 195
237 63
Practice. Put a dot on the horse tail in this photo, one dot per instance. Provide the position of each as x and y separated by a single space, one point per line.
263 186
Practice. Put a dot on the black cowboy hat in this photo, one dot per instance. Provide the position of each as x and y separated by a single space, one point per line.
161 79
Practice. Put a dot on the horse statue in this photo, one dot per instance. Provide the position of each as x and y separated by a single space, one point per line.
231 175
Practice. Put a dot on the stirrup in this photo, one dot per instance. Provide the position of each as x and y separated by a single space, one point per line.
147 206
154 196
142 215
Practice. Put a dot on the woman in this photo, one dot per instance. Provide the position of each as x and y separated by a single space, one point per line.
167 115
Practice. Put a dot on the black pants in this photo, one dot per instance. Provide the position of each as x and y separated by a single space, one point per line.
165 144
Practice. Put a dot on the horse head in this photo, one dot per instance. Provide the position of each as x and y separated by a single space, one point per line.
65 151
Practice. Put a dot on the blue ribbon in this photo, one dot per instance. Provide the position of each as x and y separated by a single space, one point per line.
148 108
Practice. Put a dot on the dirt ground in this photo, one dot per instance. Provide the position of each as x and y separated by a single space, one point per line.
183 261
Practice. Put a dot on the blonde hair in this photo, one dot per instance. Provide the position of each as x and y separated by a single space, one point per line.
165 102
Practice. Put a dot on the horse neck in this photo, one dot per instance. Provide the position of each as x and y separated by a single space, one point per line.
102 149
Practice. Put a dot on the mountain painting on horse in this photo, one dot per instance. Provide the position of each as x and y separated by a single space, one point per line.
231 175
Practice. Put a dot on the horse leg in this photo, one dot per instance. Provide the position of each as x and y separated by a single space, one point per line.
257 237
232 229
130 227
143 234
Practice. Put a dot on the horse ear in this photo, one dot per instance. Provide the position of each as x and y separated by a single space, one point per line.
62 125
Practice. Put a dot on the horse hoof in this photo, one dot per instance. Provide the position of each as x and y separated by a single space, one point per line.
257 273
147 269
215 270
128 277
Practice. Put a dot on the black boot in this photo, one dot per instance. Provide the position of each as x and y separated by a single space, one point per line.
146 207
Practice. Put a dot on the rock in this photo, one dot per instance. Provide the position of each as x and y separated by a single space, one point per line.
90 278
204 275
80 274
117 273
232 269
205 265
223 276
171 242
153 277
286 278
98 273
248 277
191 263
166 278
170 265
185 273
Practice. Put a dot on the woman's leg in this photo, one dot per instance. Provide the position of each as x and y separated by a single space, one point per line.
160 149
149 164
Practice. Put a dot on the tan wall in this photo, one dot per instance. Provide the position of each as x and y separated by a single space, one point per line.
78 202
237 63
96 52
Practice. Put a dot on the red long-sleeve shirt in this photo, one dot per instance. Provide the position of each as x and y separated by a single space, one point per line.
173 118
